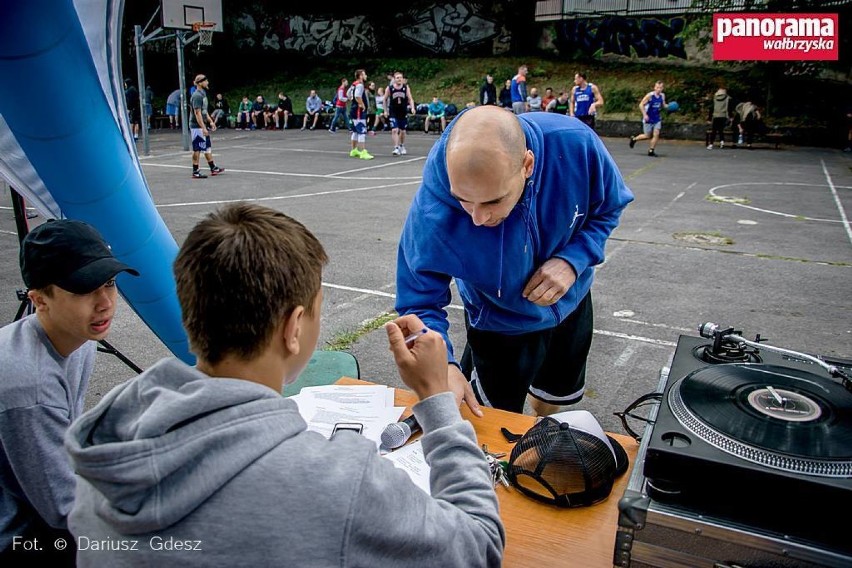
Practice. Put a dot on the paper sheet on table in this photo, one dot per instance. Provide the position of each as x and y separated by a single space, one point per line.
370 405
411 460
307 406
354 396
374 423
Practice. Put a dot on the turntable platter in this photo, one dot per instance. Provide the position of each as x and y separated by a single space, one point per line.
786 412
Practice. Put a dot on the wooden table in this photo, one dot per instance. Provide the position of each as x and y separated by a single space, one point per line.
540 535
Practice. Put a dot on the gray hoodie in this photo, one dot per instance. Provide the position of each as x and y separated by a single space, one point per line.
177 469
721 102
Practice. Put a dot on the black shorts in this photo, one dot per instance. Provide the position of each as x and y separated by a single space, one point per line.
549 364
398 122
587 119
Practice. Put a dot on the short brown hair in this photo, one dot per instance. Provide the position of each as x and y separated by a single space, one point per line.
239 272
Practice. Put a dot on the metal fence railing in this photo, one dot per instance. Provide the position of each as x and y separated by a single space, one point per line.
548 10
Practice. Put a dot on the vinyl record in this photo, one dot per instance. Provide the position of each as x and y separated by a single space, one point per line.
779 409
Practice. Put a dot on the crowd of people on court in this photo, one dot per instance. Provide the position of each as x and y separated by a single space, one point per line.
581 99
740 120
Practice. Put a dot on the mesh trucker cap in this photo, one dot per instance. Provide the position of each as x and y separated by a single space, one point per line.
70 254
567 460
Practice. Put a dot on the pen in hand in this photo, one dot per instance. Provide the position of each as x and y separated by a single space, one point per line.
415 335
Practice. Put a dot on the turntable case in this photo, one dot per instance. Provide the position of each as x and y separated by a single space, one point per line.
653 534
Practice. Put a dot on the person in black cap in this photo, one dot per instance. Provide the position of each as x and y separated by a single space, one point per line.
45 363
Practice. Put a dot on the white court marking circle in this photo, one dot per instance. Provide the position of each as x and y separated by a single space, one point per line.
729 200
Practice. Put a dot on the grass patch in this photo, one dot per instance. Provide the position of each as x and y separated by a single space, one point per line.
344 341
727 199
706 238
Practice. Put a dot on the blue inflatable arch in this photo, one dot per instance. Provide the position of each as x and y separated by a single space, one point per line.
79 161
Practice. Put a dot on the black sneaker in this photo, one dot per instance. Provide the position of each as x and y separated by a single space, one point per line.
652 153
198 175
632 142
216 171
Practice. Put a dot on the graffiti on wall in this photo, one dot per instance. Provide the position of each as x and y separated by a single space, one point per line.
321 37
632 37
448 28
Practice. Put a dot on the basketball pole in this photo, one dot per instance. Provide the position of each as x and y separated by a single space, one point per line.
181 41
140 72
184 124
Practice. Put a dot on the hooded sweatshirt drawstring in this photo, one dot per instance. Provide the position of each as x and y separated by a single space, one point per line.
500 262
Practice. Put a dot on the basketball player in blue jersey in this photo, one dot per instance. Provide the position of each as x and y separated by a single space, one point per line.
585 100
359 104
651 106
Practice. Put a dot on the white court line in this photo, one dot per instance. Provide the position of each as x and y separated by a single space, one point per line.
356 299
280 197
658 342
608 257
625 356
288 174
837 201
269 149
362 290
661 325
712 191
169 155
651 341
379 166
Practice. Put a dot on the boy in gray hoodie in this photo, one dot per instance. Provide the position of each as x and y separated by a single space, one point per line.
46 360
720 113
210 466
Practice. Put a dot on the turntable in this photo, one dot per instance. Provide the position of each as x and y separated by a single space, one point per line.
750 442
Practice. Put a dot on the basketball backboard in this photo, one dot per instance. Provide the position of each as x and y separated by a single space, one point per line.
181 14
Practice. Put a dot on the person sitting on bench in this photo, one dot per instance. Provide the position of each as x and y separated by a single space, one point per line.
749 122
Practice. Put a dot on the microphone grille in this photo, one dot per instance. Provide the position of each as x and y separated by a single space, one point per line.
395 435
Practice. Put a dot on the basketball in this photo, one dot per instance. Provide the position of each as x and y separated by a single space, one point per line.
672 106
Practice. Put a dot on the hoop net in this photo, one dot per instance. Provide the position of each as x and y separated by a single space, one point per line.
205 32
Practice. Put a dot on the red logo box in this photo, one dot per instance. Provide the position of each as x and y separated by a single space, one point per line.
775 37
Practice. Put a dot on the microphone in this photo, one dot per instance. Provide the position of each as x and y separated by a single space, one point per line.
398 433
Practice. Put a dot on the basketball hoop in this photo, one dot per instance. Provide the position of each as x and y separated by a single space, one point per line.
204 31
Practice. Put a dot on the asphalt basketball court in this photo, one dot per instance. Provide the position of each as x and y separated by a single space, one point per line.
757 239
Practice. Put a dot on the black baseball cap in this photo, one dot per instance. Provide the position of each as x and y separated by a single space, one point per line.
567 460
69 254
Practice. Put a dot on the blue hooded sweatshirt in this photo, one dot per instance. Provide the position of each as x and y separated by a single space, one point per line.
569 207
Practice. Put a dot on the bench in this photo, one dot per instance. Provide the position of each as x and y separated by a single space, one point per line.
160 121
771 137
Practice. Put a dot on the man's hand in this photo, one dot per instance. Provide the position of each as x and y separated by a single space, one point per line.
422 363
212 127
550 282
462 389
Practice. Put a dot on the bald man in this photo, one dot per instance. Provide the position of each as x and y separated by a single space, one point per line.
520 230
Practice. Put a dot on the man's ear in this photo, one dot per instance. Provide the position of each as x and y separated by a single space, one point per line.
37 297
293 329
529 163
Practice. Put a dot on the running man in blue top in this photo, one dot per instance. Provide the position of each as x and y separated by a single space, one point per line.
651 105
